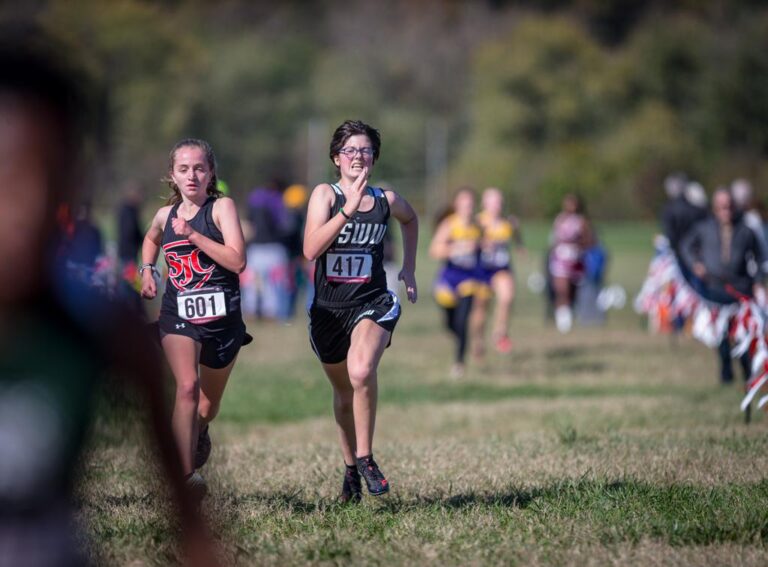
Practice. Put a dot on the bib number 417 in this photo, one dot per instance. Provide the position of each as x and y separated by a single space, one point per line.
349 268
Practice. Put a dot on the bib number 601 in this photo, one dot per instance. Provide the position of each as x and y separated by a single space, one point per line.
202 306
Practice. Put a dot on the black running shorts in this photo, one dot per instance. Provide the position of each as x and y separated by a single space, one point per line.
330 329
220 340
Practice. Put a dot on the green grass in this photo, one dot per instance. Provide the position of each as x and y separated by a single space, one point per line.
603 447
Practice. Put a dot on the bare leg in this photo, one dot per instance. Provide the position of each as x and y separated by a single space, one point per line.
342 408
563 316
477 318
212 384
368 342
562 292
182 354
503 284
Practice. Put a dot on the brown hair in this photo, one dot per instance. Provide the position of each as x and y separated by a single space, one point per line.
450 208
212 188
350 128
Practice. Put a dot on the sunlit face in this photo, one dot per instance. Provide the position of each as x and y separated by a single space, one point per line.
464 204
570 204
493 201
26 182
361 149
191 172
722 207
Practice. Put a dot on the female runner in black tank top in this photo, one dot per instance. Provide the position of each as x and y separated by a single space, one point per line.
201 327
353 315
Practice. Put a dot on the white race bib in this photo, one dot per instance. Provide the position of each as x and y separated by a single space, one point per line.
203 305
496 256
348 267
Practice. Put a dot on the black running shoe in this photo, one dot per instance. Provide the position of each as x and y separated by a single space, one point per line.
377 484
352 489
196 486
203 450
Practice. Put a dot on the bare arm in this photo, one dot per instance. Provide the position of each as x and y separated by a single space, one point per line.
150 249
409 226
320 229
231 254
440 247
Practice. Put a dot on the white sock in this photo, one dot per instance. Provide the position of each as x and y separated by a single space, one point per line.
563 319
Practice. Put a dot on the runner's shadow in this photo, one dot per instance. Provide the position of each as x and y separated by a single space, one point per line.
514 497
290 501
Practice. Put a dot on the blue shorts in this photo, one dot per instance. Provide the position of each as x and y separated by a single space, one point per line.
453 283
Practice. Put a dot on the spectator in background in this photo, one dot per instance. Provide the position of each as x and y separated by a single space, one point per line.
744 203
129 239
266 280
694 193
720 251
679 213
295 201
83 251
86 245
595 257
569 236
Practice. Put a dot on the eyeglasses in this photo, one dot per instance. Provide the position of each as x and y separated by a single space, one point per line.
351 152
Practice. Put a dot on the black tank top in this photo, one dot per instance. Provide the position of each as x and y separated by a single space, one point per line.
189 268
351 271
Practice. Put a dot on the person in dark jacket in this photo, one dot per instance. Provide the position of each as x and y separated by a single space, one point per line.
129 238
724 254
678 214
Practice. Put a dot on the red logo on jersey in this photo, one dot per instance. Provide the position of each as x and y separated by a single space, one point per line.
182 268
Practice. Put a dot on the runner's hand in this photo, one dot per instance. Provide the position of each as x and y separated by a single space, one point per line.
181 227
148 285
409 279
356 192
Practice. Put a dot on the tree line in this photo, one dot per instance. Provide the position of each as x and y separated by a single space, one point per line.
537 98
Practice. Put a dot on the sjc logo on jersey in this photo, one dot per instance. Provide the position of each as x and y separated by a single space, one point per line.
183 268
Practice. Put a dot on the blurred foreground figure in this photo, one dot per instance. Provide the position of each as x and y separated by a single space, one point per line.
56 335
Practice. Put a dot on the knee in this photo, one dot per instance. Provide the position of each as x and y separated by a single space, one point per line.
360 374
187 390
506 296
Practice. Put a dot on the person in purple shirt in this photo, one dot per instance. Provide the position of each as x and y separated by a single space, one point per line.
266 283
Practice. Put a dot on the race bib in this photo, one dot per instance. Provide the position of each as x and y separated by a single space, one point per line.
203 305
348 267
496 256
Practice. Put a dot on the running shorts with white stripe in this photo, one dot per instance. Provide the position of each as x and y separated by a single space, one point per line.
330 330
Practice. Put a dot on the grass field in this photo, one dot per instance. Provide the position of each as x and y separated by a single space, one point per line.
603 447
